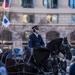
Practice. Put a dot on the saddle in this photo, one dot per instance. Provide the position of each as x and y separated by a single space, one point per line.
18 54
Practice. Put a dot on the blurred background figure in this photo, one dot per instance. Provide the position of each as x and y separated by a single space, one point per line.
63 65
72 67
2 69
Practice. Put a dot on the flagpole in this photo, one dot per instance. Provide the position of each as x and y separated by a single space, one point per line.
4 11
5 21
4 7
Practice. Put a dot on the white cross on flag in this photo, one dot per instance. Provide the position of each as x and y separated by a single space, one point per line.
5 21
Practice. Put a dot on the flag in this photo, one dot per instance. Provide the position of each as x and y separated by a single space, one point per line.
5 21
5 4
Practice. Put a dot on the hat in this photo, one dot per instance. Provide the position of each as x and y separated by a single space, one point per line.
35 27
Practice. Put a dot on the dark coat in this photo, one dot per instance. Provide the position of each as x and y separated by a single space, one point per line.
35 41
63 65
72 69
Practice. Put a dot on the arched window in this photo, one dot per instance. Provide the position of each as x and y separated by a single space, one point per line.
72 39
50 3
6 35
25 35
72 36
28 18
51 35
72 3
52 18
6 40
25 39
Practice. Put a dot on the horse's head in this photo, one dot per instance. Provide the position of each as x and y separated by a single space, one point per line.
60 45
54 45
65 49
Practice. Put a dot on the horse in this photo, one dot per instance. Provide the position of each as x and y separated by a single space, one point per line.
20 65
58 46
12 61
35 62
66 47
54 47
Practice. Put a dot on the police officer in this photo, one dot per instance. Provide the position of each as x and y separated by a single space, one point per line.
35 39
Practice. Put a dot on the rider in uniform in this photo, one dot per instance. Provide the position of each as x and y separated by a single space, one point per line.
35 39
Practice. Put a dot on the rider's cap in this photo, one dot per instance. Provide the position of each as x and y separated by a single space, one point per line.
35 27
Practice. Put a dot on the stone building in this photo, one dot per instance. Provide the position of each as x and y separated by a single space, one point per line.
56 18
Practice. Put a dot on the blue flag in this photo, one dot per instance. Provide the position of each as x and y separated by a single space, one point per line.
5 21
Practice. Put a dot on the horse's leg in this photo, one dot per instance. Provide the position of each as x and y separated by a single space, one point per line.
55 70
11 67
55 66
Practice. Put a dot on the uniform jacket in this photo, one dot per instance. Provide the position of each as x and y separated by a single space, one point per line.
35 41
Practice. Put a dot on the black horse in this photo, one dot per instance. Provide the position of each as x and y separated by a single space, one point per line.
13 62
56 46
36 63
26 64
47 59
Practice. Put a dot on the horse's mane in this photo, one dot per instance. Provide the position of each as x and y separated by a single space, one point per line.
54 43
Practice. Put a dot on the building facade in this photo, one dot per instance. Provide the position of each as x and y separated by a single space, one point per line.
56 18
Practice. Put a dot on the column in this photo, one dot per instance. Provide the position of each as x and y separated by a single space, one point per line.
38 3
17 42
15 3
63 3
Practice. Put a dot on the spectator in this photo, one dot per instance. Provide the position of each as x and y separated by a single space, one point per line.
2 69
63 65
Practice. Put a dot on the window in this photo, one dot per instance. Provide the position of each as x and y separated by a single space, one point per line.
50 3
26 35
1 2
52 18
72 39
6 35
27 3
28 18
72 3
73 18
51 35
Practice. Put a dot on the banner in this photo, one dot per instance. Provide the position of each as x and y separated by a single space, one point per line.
5 21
